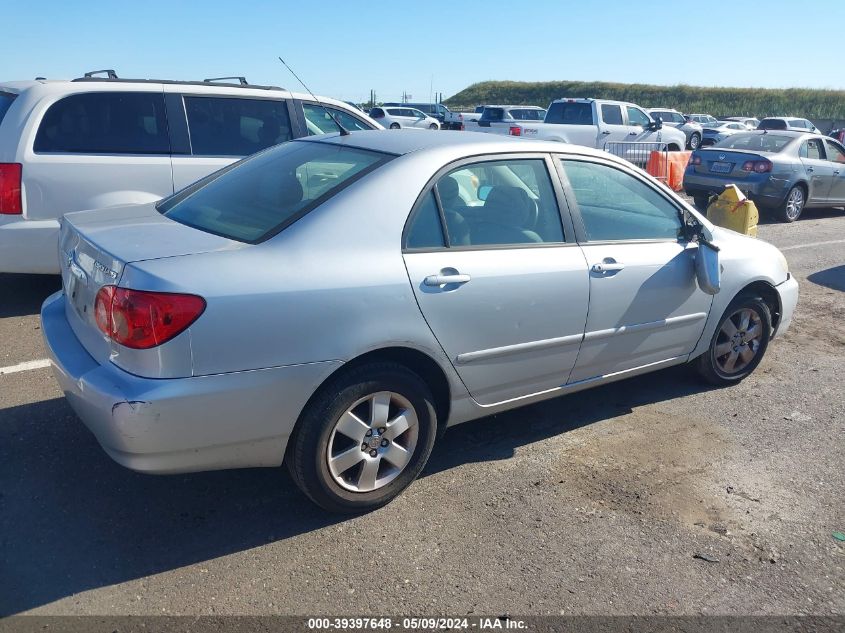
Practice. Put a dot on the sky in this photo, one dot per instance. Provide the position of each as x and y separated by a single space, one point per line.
345 49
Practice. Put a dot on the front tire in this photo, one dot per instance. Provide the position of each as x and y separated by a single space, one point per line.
793 204
739 343
433 126
364 438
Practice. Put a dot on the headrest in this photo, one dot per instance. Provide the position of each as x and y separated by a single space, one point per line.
508 206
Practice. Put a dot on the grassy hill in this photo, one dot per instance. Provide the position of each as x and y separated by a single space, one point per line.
803 102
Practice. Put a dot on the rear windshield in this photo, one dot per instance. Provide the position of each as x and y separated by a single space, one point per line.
772 124
756 142
570 113
5 103
261 195
492 114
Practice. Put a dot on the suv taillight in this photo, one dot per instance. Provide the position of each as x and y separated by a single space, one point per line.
10 189
515 131
140 319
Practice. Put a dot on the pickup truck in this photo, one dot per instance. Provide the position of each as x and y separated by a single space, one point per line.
597 122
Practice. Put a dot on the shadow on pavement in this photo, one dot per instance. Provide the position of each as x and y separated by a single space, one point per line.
830 278
22 295
72 520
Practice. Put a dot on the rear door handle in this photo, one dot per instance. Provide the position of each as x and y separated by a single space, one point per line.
606 267
442 280
605 132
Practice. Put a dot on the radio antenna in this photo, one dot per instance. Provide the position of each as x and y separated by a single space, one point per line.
343 130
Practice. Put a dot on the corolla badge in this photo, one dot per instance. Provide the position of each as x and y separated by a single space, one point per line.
105 269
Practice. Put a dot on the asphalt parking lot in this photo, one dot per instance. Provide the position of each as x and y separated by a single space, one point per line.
654 495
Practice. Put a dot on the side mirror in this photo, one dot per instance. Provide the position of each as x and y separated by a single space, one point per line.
708 270
655 125
483 192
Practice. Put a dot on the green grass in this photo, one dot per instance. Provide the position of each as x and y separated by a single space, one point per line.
803 102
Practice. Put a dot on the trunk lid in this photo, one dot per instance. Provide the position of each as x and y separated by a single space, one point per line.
95 247
727 163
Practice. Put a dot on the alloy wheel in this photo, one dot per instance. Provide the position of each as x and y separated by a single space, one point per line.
738 342
795 203
372 442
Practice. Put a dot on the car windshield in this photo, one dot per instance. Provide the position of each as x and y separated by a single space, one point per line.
256 198
755 141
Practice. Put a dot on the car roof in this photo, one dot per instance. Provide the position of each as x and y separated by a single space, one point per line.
529 107
460 144
663 110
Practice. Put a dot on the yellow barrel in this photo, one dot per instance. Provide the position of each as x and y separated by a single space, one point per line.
734 211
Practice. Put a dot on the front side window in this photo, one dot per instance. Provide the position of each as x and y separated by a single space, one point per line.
105 123
222 126
835 152
503 202
258 197
617 206
319 119
637 117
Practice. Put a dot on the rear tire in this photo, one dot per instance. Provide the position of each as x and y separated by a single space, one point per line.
739 342
793 204
694 141
701 202
394 126
348 452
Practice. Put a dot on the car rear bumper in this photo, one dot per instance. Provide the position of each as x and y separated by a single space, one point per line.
765 191
788 292
28 246
231 420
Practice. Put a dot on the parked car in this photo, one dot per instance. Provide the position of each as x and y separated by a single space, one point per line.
102 142
447 119
702 119
785 171
498 119
750 122
675 119
721 129
399 117
597 122
188 337
787 123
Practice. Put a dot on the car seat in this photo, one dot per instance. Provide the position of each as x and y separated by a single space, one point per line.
505 217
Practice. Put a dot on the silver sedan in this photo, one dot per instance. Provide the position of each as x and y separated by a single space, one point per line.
337 302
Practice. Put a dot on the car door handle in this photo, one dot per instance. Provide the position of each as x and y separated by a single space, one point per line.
836 172
606 267
632 133
810 169
442 280
605 131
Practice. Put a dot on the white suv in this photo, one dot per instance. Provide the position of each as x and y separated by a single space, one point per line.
99 142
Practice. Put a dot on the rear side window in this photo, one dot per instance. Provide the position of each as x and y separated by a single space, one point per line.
236 127
260 196
5 103
493 114
570 113
105 123
611 114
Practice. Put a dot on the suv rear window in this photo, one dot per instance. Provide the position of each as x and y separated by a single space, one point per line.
105 123
492 114
772 124
570 113
223 126
5 103
256 198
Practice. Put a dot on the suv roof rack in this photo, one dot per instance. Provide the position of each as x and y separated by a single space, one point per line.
111 76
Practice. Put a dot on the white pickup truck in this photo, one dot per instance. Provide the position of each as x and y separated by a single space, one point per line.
597 122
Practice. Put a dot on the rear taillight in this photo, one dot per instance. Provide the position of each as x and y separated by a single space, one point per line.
140 319
515 131
10 189
759 166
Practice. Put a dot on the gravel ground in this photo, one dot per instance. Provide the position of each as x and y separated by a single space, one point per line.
656 495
